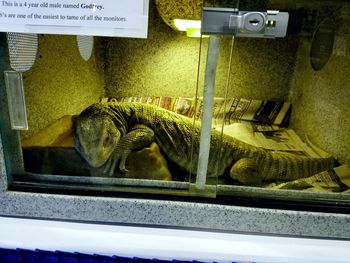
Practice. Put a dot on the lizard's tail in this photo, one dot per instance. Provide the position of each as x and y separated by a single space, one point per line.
287 166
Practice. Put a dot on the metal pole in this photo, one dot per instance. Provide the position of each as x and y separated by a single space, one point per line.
208 101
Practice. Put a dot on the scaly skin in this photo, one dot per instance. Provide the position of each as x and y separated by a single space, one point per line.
106 133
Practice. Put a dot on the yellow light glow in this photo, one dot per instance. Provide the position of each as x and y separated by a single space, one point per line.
184 24
193 32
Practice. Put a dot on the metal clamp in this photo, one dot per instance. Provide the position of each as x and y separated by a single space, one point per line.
229 21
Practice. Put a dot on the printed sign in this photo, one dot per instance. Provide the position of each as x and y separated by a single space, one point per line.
122 18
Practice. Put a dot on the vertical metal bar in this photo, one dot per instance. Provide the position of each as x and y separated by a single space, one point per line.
16 100
208 101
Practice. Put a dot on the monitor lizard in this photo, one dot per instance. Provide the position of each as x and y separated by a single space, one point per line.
106 133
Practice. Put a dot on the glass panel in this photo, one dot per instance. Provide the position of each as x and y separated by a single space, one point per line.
285 154
122 121
123 128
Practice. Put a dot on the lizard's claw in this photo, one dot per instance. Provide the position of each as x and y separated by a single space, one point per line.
112 164
122 164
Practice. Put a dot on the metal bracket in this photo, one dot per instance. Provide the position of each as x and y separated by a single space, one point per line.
228 21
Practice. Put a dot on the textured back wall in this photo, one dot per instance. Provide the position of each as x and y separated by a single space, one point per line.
61 82
321 99
166 64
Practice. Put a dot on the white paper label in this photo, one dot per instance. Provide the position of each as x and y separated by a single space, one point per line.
126 18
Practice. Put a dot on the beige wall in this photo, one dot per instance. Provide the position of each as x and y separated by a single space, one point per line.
321 99
166 64
61 82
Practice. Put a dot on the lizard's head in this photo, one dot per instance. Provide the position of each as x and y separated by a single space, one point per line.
95 137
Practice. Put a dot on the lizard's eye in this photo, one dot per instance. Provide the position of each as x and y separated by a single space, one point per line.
108 140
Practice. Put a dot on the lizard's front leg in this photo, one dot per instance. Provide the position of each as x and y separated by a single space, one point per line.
138 138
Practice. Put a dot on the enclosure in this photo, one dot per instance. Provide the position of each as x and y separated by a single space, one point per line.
284 95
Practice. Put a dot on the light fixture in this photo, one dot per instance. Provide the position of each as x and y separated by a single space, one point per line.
192 27
184 24
193 32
